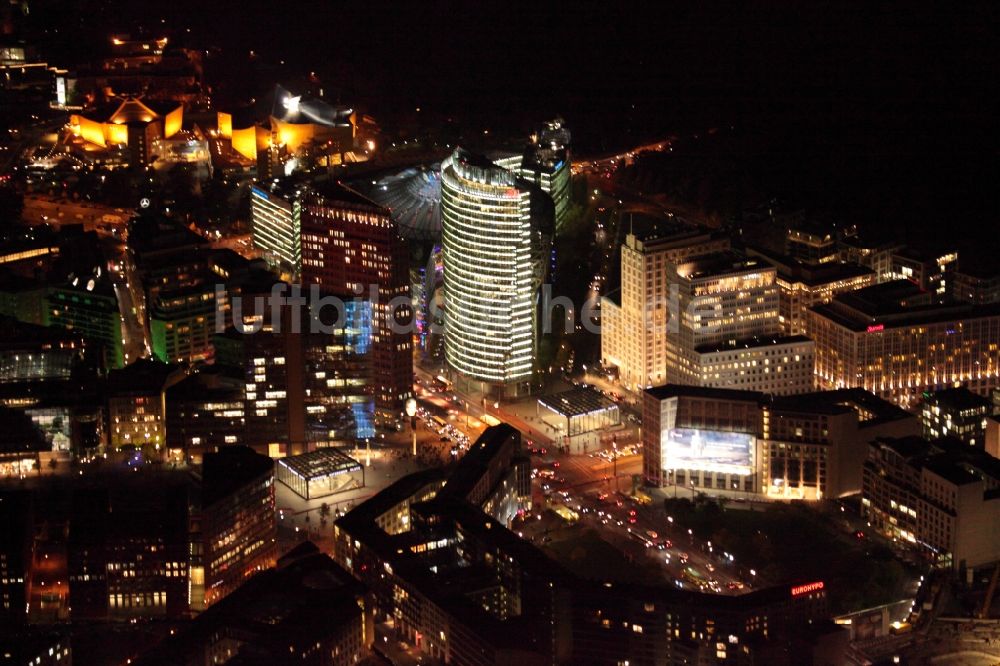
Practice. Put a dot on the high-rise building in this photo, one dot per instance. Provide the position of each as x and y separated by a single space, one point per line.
720 297
305 389
328 235
495 230
351 248
888 339
276 225
634 320
545 163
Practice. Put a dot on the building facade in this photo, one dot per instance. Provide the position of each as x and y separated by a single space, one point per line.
727 442
464 589
634 325
89 308
956 412
234 531
276 225
494 234
897 350
351 248
136 406
779 366
182 322
720 297
941 495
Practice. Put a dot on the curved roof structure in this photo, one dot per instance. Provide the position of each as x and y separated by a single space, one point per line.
304 109
414 197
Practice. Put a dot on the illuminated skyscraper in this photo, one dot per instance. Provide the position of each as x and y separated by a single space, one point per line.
276 225
325 234
495 227
351 248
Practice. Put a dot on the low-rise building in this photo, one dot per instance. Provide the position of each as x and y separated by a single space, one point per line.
729 442
579 416
955 412
307 610
464 589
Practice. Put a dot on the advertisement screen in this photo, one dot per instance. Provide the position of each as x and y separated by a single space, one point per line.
707 450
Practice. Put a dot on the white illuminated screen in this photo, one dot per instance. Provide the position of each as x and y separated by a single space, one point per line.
707 450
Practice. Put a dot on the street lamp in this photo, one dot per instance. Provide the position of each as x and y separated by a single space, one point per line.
411 411
614 458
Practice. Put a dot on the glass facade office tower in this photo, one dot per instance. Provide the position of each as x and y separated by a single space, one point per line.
494 231
276 225
351 248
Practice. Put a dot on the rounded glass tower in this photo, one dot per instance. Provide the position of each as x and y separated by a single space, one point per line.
489 271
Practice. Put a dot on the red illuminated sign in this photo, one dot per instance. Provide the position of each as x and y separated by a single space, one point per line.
875 328
799 590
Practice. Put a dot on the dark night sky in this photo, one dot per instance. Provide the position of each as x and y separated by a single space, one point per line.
885 113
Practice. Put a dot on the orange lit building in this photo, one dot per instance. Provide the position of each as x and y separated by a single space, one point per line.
295 122
889 340
241 128
132 123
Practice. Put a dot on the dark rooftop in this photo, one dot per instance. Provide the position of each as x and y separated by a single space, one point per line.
719 263
320 463
144 376
306 598
884 297
577 401
749 343
840 400
793 269
684 390
230 468
958 397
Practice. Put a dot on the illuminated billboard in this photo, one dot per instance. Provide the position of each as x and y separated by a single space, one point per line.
707 450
